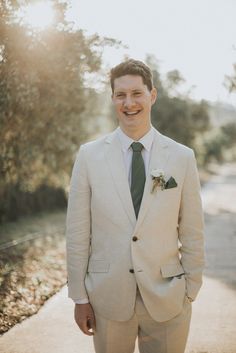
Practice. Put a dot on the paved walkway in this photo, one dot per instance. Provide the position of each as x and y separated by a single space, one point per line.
213 328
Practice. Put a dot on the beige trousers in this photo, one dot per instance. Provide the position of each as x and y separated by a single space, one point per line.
153 337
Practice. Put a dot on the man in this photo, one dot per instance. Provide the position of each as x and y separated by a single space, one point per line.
134 228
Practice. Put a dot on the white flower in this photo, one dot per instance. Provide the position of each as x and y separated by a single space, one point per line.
156 173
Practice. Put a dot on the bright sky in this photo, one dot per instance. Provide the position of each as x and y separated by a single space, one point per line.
197 37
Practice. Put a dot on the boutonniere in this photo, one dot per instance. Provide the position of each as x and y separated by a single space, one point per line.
158 179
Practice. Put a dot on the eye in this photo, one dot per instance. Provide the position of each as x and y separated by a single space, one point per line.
137 93
120 95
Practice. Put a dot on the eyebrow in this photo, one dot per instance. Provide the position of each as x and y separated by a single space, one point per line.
133 90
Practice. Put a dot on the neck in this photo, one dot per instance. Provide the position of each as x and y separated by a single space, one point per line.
136 134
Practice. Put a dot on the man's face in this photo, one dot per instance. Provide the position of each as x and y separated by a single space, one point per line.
133 101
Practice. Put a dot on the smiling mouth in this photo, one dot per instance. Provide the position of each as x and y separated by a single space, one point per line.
132 113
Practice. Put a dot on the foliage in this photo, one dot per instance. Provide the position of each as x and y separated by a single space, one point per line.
219 142
173 80
43 99
177 117
230 81
229 133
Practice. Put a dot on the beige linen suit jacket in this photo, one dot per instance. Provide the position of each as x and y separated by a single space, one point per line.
167 258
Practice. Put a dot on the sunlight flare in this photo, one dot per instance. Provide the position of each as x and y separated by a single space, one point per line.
38 15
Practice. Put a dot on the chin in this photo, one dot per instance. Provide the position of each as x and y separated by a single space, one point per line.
133 120
134 123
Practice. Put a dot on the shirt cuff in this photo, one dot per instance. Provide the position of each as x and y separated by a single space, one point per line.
82 301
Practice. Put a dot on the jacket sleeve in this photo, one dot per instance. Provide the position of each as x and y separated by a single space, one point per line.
78 228
191 228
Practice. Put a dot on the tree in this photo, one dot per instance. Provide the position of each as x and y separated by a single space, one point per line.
179 118
173 80
43 98
221 143
230 81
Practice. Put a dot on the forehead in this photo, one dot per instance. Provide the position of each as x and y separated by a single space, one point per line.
129 82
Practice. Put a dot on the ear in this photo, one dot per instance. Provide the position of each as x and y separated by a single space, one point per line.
153 95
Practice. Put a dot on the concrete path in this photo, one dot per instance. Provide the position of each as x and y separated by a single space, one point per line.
213 328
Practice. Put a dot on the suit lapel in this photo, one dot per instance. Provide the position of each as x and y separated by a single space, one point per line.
158 159
115 161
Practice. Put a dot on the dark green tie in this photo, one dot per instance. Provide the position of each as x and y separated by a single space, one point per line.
138 176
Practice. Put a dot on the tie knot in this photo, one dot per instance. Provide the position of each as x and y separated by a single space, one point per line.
137 146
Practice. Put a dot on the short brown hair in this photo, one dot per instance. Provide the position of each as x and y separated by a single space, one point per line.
132 67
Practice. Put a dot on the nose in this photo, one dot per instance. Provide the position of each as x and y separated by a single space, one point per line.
128 102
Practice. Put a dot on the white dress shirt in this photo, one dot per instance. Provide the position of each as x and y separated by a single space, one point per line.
127 151
126 141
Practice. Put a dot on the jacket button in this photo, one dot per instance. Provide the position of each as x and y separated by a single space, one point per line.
131 270
135 238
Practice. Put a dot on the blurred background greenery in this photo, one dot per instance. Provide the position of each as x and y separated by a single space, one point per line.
48 108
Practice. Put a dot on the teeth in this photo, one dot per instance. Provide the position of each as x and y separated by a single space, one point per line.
131 113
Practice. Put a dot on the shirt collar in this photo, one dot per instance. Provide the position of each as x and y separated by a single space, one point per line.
126 141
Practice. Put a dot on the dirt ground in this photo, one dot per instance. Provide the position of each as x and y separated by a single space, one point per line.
30 271
213 327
